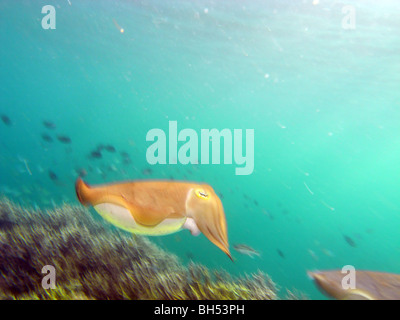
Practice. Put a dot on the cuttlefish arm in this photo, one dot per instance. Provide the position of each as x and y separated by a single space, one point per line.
369 285
151 203
205 207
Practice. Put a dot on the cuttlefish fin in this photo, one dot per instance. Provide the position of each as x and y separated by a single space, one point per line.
358 295
146 216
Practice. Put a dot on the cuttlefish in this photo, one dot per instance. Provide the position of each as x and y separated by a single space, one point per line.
152 207
369 285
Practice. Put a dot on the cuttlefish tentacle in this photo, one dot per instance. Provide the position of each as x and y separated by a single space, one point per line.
191 225
201 205
159 207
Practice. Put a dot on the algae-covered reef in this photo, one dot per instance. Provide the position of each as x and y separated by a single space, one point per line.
95 261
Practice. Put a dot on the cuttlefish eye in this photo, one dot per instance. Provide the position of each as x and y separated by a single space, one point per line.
202 194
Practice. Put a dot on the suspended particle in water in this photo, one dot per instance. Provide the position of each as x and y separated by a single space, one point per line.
118 26
327 205
280 125
309 190
27 167
313 255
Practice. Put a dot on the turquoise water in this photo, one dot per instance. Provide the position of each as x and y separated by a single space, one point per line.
323 100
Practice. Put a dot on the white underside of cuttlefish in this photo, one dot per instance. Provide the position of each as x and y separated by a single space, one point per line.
122 218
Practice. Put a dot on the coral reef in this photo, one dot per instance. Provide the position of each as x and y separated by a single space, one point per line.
94 260
295 294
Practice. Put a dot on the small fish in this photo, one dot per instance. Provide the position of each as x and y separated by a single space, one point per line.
68 150
124 154
95 154
189 255
53 176
285 211
49 124
110 148
246 250
64 139
127 161
147 171
350 241
313 255
6 120
81 172
268 214
280 253
98 171
327 252
47 138
256 202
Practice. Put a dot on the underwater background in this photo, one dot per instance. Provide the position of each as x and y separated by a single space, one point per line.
323 100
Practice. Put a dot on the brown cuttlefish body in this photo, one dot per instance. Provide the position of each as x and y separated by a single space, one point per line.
152 207
368 285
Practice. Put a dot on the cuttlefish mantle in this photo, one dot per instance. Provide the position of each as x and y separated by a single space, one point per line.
153 208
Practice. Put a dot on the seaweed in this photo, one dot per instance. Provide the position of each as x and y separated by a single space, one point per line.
94 260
